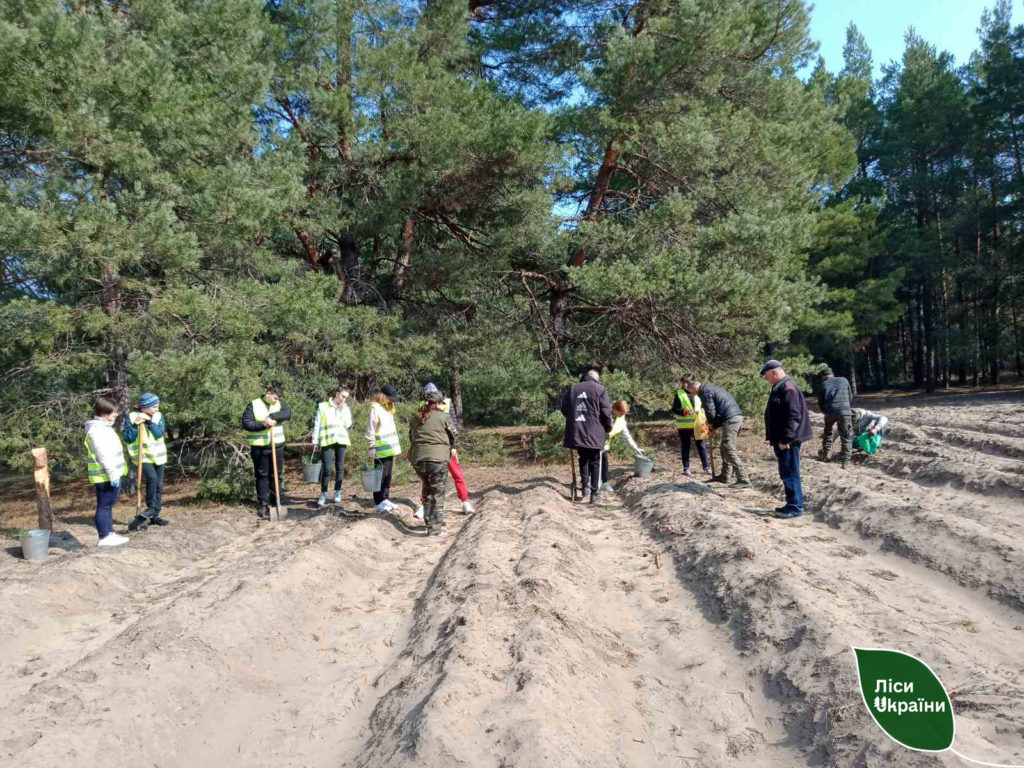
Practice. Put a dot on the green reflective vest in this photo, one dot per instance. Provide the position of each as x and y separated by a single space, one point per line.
154 450
260 411
446 405
687 422
97 474
385 441
332 432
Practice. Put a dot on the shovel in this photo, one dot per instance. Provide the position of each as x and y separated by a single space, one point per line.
572 467
138 470
276 515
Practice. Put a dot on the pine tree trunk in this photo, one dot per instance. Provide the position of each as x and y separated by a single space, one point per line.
406 243
348 266
455 391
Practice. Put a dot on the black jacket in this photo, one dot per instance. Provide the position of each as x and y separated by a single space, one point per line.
249 423
719 405
836 396
786 419
588 415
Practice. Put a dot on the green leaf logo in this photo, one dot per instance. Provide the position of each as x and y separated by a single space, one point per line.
906 699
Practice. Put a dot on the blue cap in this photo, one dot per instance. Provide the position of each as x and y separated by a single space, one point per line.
430 389
148 400
771 365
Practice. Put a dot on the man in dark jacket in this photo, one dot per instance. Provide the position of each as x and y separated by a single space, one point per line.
723 414
588 420
835 399
786 425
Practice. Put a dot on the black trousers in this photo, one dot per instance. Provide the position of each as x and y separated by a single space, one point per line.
590 469
263 472
385 480
154 488
332 454
685 436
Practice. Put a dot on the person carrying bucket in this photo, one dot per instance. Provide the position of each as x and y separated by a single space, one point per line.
262 424
382 436
106 468
454 468
692 426
432 441
620 408
330 436
148 419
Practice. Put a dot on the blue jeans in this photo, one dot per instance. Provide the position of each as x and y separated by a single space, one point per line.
789 471
106 498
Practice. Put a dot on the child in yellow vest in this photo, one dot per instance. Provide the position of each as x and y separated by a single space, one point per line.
106 468
693 427
619 427
382 435
147 421
261 421
330 437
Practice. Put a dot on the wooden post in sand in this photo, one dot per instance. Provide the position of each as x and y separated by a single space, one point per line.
42 478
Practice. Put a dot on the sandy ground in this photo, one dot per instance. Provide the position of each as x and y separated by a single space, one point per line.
679 625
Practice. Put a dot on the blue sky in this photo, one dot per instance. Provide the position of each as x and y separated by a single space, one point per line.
949 25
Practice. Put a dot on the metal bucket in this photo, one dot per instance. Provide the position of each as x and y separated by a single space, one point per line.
642 466
35 544
372 477
311 472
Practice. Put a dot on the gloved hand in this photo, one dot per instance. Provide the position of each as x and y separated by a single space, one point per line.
116 483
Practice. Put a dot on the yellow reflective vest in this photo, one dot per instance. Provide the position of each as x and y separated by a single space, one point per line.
694 405
261 411
385 436
154 450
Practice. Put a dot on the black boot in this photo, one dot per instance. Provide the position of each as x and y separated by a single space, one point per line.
140 523
263 513
158 521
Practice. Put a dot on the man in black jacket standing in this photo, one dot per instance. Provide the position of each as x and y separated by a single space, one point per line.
835 398
786 425
588 420
723 414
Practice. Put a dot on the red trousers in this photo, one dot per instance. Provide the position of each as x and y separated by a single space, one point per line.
460 481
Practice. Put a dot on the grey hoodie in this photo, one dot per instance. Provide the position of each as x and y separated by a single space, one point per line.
106 446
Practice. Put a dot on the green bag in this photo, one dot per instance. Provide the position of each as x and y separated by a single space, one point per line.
868 443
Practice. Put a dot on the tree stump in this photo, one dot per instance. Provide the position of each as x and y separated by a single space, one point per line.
42 478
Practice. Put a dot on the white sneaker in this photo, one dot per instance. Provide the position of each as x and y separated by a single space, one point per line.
337 497
113 540
418 514
381 508
322 501
388 505
607 488
467 508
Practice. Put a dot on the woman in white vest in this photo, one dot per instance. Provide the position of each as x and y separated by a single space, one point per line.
382 436
330 436
146 425
262 423
692 426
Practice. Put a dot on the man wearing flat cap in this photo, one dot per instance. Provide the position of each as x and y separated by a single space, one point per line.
786 425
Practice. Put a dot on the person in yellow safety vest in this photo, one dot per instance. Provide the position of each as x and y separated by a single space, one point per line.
106 467
154 456
692 425
620 408
330 437
262 420
454 468
382 436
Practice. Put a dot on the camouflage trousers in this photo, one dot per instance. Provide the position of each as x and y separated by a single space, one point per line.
845 429
433 475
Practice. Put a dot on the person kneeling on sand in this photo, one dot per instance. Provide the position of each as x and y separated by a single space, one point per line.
868 425
432 437
106 468
619 427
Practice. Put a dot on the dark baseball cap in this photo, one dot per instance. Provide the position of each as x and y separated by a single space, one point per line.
771 365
